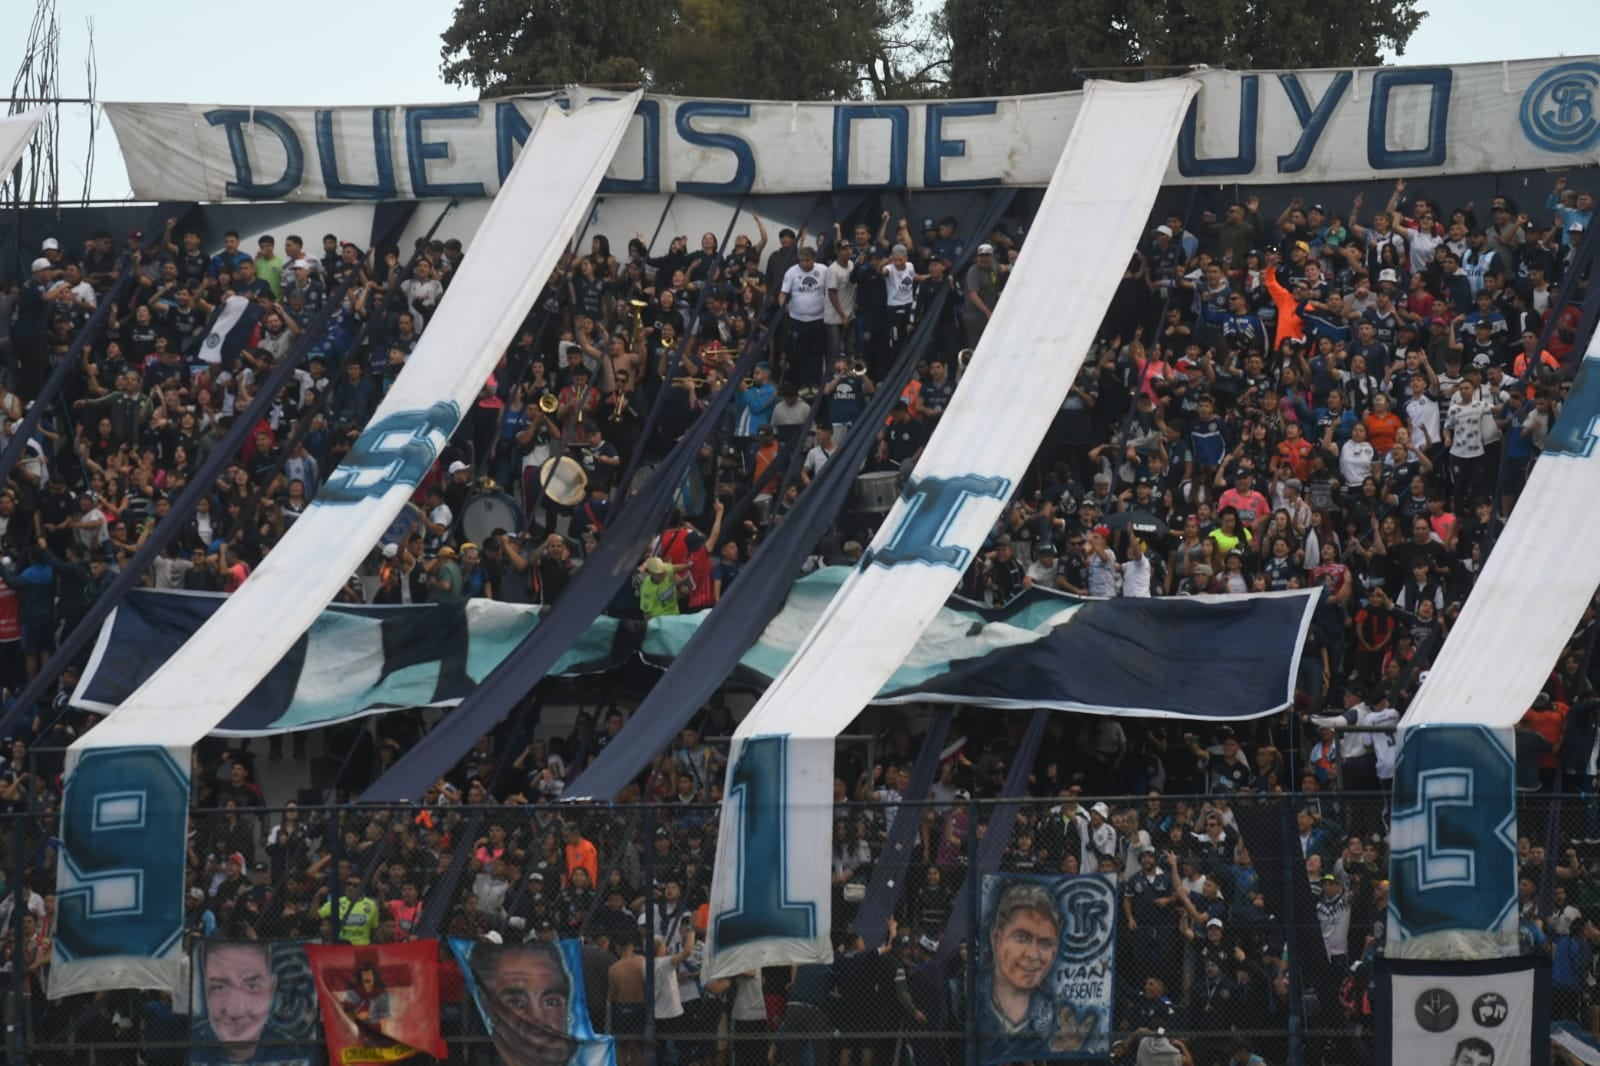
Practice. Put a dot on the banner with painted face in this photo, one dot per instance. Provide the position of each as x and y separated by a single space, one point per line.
1247 127
1463 1013
530 998
252 1002
1046 967
380 1002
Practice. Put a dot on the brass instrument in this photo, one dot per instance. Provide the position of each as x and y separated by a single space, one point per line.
683 381
548 403
637 325
859 368
622 405
963 357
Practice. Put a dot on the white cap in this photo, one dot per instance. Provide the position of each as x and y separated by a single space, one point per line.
985 249
391 550
1165 231
299 264
41 263
1101 809
50 245
1576 227
493 937
458 466
1388 275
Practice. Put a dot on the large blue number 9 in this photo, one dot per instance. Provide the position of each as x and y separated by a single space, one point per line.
123 820
762 909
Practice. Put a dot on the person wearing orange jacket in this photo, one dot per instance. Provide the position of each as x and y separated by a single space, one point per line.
1548 718
1290 325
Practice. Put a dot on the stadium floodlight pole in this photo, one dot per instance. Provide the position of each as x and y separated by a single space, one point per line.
178 517
126 275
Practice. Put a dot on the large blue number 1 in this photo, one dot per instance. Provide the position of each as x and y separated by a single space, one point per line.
124 817
762 909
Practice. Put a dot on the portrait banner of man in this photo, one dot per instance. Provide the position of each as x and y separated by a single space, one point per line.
1490 1013
252 1002
1046 967
530 999
380 1002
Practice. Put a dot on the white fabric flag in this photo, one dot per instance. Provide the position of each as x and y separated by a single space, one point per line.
15 133
770 891
124 809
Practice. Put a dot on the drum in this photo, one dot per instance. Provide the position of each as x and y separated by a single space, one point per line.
486 512
876 492
563 481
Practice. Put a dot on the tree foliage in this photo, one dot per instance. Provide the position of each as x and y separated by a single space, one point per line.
829 50
1024 46
505 44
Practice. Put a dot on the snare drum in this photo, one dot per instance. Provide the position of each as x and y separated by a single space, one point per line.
486 512
876 492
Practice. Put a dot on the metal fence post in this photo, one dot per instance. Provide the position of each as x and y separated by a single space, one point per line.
974 933
16 1025
648 833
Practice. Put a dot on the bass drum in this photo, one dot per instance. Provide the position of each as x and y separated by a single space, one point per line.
486 512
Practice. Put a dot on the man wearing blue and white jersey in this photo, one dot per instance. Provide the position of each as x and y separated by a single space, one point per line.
1207 441
846 394
1243 329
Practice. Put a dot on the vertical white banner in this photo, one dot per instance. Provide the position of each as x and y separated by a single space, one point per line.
123 819
770 893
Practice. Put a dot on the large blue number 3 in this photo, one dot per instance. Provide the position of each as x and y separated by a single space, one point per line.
1453 845
761 908
123 819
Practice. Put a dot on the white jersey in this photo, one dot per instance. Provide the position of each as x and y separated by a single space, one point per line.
841 286
806 292
902 284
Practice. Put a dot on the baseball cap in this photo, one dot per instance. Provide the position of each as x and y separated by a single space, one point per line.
458 466
1303 246
1165 231
50 245
929 223
1576 227
985 249
1102 810
1215 923
41 264
1388 275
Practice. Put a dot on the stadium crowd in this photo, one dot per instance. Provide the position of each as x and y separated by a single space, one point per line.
1348 399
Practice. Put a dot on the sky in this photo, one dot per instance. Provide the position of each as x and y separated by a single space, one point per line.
387 52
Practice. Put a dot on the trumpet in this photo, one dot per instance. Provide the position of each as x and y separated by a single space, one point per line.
963 357
686 380
548 403
859 368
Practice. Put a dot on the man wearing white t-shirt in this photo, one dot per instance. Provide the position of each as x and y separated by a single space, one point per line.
804 294
839 313
902 280
819 454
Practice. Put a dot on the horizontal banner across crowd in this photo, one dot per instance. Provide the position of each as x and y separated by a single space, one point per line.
1040 650
1260 127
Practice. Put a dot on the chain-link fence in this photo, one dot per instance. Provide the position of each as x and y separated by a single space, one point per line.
1248 922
